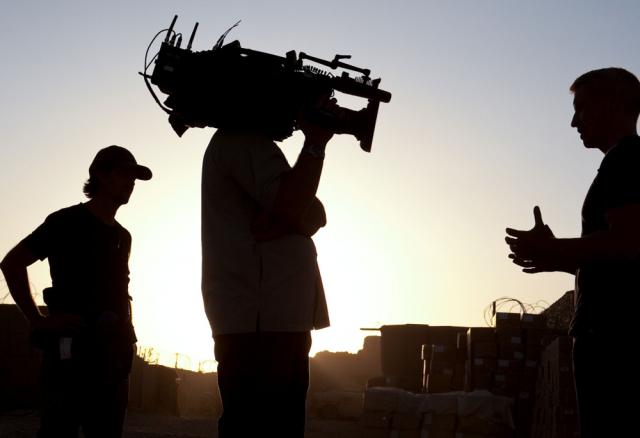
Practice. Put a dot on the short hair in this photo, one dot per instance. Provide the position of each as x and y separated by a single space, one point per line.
90 187
614 83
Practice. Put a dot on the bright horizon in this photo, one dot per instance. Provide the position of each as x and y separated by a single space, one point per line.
476 134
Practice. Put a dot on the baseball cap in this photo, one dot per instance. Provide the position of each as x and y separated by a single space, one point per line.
113 157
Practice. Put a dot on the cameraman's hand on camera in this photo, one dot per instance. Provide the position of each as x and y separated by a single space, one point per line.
316 137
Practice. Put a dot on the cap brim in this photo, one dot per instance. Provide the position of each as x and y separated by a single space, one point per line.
139 171
142 172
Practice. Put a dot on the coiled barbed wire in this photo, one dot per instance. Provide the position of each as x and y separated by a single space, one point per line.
508 304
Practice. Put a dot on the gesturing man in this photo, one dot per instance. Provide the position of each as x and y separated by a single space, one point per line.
606 258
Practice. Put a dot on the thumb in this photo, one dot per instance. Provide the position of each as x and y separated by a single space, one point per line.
537 217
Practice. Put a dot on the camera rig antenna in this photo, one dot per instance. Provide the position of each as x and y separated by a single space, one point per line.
193 34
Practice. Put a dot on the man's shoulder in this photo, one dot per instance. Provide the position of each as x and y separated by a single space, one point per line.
123 231
240 138
72 212
621 161
236 148
626 153
55 226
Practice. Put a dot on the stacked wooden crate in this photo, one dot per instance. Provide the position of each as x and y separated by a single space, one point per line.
556 414
395 413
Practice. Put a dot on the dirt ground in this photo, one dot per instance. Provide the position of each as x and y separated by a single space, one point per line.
24 424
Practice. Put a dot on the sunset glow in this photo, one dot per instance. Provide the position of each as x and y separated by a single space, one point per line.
476 134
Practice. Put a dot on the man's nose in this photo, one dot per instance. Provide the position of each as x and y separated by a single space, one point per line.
574 121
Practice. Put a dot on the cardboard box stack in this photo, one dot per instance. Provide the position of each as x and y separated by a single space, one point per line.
482 358
443 360
440 415
503 360
379 406
482 414
400 354
394 413
536 336
510 354
555 413
520 342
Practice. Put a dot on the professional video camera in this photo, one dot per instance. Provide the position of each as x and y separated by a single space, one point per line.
229 83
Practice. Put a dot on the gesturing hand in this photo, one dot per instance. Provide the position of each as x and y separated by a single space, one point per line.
533 249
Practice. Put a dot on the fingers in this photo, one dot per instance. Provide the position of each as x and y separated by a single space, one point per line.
516 233
525 263
324 99
511 241
533 270
529 266
517 245
537 217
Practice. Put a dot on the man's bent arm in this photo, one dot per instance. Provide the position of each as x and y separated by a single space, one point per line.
313 219
620 241
14 268
298 187
268 226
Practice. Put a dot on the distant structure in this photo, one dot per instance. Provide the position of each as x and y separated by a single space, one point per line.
338 380
19 362
560 313
153 388
345 371
162 389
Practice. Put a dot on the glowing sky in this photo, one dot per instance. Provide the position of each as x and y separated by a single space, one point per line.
476 134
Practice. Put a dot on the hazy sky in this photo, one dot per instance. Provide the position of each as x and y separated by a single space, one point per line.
476 134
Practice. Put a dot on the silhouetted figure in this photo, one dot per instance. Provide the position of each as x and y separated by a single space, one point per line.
261 284
606 258
87 337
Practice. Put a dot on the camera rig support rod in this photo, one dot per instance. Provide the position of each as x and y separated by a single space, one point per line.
336 63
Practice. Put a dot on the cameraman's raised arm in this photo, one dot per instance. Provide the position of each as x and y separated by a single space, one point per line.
295 200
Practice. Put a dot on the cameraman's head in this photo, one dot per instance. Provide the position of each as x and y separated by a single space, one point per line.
271 109
276 107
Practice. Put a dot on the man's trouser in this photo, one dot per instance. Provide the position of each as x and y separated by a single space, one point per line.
263 379
606 384
76 394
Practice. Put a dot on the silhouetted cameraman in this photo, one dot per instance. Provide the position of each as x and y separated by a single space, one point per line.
261 284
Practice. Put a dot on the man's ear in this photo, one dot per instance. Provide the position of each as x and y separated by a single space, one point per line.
102 177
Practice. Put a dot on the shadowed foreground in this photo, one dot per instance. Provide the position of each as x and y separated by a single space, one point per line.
23 424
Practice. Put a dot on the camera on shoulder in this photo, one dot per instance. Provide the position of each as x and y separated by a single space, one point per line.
230 85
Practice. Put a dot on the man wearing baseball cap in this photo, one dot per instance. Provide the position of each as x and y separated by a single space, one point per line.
87 336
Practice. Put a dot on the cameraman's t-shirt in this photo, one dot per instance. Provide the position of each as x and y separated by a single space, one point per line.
274 284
